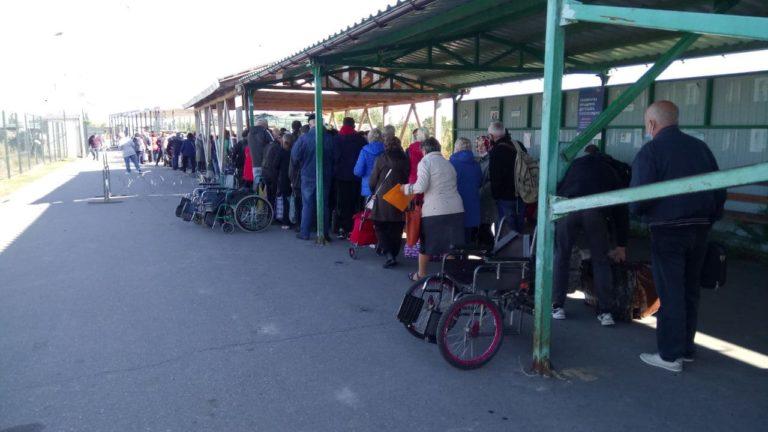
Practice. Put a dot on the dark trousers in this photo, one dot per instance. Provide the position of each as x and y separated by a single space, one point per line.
595 227
677 254
286 209
174 160
188 161
485 236
297 204
347 202
271 188
390 237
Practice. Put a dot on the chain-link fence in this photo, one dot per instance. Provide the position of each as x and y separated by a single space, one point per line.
28 140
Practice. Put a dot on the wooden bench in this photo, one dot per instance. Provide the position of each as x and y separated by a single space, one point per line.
755 218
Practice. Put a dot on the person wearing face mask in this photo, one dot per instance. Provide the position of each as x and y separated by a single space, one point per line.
679 227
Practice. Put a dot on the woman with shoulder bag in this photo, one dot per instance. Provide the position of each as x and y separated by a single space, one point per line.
389 169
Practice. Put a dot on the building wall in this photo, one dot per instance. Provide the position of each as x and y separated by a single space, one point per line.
729 113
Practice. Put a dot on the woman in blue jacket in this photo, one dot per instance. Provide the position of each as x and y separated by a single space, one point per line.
469 178
367 158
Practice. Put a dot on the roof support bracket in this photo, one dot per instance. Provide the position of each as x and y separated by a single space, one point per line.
737 26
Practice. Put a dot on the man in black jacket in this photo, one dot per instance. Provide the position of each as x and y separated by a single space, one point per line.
501 168
347 146
679 227
589 175
258 138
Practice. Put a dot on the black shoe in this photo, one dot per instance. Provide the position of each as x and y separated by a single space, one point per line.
327 238
301 237
390 263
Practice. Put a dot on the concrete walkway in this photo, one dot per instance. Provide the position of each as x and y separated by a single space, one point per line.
122 317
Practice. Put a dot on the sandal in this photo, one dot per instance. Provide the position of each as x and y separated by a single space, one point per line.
414 276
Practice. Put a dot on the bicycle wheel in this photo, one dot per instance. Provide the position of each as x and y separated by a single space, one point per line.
470 332
253 213
423 304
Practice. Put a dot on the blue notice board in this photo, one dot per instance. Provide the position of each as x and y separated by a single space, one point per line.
590 105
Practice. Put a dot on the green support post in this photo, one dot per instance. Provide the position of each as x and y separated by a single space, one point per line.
317 72
626 97
454 124
251 120
550 135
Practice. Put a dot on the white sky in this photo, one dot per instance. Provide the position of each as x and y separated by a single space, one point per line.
121 55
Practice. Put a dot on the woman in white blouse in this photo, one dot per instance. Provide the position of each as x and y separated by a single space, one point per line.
442 215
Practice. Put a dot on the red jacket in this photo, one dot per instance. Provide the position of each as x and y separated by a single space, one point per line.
247 166
415 155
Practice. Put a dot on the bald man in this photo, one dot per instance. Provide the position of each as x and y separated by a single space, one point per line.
679 226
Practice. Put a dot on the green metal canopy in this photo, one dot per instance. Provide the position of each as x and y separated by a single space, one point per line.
447 46
451 45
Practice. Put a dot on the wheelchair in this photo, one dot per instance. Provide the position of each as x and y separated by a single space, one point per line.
215 205
477 297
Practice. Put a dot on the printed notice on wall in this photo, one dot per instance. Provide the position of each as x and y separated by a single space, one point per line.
639 141
495 114
516 111
761 90
590 105
691 93
625 137
527 139
758 140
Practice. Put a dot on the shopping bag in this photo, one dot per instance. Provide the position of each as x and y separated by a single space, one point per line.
397 198
412 225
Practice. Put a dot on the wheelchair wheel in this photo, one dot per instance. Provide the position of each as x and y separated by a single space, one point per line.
424 303
196 218
470 332
227 228
253 213
353 253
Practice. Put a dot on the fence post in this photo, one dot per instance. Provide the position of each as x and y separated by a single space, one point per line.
7 150
29 143
18 145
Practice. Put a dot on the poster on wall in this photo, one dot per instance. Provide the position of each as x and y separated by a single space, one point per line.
590 106
494 115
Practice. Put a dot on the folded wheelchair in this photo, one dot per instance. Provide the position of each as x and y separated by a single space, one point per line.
477 297
215 205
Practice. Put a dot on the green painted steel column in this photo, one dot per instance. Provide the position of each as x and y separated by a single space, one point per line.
454 125
627 96
550 135
317 72
251 120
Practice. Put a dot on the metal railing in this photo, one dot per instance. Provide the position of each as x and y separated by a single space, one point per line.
28 140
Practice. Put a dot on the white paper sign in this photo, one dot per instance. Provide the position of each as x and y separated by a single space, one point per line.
527 139
626 137
515 112
761 90
758 140
691 93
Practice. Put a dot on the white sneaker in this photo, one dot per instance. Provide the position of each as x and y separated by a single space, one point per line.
606 319
687 359
558 313
656 360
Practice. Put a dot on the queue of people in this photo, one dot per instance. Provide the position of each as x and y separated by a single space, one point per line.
460 201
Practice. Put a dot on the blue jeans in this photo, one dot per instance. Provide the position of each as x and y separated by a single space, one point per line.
514 211
309 210
135 160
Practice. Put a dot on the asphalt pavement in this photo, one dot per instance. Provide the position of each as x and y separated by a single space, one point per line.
122 317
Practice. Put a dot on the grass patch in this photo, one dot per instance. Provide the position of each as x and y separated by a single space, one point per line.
13 184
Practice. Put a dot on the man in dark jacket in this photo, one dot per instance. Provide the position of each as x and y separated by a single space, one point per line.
589 175
346 149
501 167
238 154
303 156
258 138
679 227
188 153
270 167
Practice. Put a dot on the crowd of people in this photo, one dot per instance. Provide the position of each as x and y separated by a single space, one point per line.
461 199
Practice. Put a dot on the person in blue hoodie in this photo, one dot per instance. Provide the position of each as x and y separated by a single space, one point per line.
303 156
188 153
469 178
364 166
